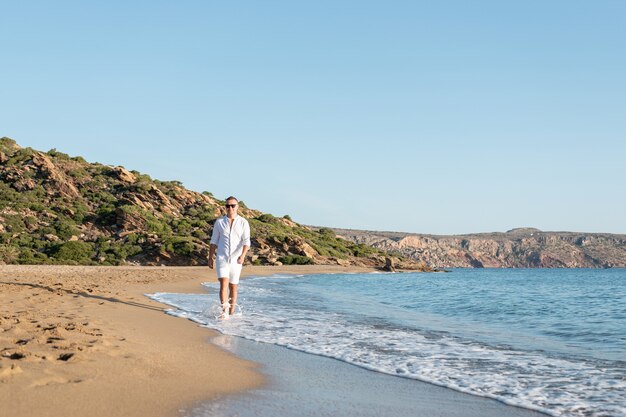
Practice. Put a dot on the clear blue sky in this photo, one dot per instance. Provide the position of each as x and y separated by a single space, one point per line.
439 117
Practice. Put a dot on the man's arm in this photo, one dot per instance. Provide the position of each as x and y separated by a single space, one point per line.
246 242
243 254
212 249
215 238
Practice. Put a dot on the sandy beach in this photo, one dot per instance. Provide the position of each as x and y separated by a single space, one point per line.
76 338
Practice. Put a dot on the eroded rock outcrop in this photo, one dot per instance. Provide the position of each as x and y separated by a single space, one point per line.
57 180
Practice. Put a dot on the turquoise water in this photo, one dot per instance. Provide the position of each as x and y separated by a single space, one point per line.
550 340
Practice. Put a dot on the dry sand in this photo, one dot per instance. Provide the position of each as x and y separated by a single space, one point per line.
78 341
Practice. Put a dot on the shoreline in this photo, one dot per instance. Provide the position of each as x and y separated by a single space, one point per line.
293 373
76 338
317 385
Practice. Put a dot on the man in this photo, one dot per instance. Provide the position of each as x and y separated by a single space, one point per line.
231 240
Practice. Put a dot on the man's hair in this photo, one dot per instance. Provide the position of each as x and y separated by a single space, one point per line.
232 198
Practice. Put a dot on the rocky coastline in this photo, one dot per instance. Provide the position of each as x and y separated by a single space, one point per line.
516 248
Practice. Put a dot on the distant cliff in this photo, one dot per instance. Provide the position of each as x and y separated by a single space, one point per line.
57 209
517 248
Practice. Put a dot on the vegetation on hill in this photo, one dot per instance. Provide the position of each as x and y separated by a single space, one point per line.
57 209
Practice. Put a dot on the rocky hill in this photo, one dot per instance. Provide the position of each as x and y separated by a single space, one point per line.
60 209
517 248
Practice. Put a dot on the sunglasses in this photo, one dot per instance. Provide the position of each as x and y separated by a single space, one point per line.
230 205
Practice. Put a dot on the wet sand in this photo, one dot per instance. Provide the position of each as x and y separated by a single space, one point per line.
303 385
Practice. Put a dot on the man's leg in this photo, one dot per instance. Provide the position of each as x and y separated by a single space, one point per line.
233 297
235 272
223 291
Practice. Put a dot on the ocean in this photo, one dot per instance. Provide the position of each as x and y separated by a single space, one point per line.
551 340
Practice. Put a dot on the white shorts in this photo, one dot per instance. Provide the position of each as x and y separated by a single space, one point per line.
232 271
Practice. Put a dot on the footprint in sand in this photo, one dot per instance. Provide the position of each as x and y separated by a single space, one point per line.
49 380
9 371
13 355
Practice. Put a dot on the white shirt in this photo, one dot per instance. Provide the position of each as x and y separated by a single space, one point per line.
230 239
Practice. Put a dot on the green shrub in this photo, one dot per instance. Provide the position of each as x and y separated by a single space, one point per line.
5 238
197 223
77 251
23 240
132 239
95 194
26 257
141 186
9 254
326 250
327 233
30 221
13 223
59 155
207 214
361 250
201 234
179 245
159 227
181 226
7 144
8 195
79 172
21 156
267 218
65 228
116 252
105 215
80 211
38 207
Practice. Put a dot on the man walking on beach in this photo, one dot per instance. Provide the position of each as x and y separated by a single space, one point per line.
231 240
